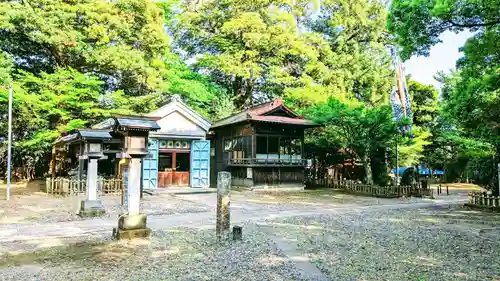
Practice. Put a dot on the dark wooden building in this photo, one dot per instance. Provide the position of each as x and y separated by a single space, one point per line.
262 147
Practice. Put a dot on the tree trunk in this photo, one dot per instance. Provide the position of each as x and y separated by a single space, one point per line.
496 181
368 169
243 89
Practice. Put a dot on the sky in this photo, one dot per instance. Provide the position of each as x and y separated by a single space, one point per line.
442 57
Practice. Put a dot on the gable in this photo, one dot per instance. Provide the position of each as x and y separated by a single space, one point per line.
177 123
281 111
191 116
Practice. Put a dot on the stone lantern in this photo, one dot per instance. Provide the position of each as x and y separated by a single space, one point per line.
92 151
134 132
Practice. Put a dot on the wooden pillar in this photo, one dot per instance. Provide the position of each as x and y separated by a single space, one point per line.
174 167
53 163
254 143
81 163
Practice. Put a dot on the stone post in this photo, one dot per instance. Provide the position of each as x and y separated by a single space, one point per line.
223 223
92 207
92 180
134 186
133 224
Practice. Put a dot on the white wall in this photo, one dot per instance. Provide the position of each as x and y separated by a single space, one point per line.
177 124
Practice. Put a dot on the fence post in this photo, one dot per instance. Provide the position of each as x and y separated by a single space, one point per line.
58 186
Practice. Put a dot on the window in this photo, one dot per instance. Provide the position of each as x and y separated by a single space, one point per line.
296 147
261 145
272 145
228 144
182 162
165 161
285 145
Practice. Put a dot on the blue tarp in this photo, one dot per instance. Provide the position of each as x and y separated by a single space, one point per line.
421 171
401 170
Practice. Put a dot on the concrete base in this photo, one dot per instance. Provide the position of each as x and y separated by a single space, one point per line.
91 208
131 234
131 226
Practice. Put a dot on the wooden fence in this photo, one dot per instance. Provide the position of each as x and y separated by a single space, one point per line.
390 191
484 200
70 187
327 182
356 187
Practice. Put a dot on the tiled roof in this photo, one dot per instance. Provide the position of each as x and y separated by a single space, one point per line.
84 134
261 113
95 134
284 120
134 122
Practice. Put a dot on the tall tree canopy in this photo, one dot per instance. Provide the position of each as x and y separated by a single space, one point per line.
419 23
300 50
356 65
74 63
471 94
255 50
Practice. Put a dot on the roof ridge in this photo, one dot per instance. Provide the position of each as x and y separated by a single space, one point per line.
246 110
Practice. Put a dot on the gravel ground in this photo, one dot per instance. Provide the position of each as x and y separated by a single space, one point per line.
39 207
179 254
419 244
290 201
425 244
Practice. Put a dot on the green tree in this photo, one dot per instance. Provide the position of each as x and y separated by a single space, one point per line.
424 104
75 63
356 63
121 42
254 50
360 129
419 23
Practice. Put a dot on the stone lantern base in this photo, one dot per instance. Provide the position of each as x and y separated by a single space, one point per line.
91 208
131 226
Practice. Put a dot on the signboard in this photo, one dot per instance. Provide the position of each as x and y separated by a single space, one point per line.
125 187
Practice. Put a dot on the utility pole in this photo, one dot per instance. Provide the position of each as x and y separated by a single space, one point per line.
9 146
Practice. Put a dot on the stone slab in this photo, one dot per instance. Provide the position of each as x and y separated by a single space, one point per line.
91 208
121 234
131 222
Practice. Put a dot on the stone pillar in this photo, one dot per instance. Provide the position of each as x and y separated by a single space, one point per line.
133 224
91 207
134 186
223 223
92 180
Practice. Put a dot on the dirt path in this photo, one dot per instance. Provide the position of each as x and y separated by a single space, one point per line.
26 232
